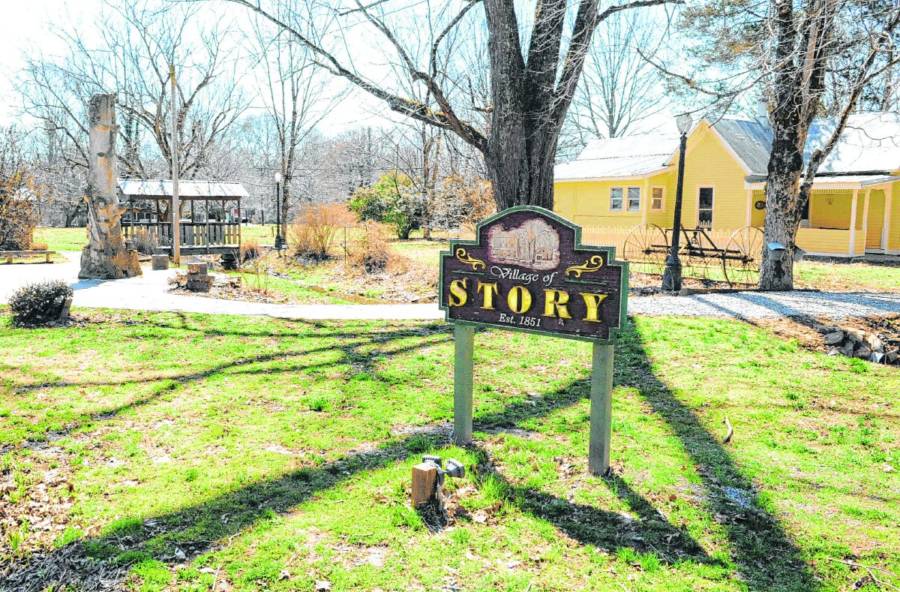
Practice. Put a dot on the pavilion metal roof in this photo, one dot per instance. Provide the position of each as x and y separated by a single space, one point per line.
186 189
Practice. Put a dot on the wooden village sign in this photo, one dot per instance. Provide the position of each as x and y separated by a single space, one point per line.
527 270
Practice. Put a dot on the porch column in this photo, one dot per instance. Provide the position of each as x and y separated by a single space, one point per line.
865 221
885 229
853 222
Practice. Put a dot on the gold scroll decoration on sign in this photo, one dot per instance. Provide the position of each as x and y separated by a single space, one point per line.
592 263
464 257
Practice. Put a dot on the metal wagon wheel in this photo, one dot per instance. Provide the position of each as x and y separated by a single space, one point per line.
698 255
645 248
743 256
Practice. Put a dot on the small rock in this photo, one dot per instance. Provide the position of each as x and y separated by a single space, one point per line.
179 555
284 575
855 335
890 357
834 337
847 348
323 586
874 343
863 353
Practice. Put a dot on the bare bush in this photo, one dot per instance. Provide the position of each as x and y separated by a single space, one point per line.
370 253
315 228
250 250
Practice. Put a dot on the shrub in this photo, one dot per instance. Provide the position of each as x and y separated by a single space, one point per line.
316 227
38 304
18 219
250 250
370 253
392 199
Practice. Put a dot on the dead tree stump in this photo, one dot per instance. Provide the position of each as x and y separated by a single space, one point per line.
105 256
198 278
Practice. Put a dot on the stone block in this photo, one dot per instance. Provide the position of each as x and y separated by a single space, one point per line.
200 269
159 262
834 337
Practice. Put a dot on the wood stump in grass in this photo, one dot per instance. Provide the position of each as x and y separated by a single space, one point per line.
105 256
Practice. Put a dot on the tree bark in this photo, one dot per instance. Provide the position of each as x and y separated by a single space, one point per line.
105 256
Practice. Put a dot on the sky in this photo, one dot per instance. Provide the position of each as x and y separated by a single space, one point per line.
28 26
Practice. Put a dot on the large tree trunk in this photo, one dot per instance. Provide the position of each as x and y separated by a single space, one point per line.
520 166
105 256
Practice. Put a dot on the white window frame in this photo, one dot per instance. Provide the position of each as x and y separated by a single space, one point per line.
712 210
621 207
627 204
662 198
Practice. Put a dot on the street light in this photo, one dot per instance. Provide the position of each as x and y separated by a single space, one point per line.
279 240
672 274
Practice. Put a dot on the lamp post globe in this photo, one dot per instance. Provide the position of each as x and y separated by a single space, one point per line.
672 274
279 240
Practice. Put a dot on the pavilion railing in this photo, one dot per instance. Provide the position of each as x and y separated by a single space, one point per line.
193 234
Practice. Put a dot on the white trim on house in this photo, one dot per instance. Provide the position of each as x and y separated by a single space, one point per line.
848 182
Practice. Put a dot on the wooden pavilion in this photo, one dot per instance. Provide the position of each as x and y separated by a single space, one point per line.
209 216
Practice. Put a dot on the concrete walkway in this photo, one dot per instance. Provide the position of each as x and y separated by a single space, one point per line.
150 292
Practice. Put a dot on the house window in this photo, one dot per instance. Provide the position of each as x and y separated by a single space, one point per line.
705 207
615 199
634 199
657 195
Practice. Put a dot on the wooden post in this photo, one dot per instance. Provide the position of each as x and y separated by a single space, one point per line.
464 341
601 408
424 483
176 204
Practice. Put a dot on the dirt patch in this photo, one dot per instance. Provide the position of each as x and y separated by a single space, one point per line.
228 287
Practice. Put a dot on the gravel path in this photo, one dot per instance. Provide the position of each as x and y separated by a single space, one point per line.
150 292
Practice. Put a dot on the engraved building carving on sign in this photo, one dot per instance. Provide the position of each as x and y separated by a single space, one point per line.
533 244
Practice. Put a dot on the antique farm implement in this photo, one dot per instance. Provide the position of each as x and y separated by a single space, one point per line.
702 257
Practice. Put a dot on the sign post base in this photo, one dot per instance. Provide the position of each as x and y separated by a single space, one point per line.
601 408
464 342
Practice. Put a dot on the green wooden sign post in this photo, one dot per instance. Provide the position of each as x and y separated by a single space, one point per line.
527 271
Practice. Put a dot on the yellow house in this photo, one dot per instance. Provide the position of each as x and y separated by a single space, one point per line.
854 208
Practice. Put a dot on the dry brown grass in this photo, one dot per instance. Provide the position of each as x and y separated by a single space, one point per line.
315 228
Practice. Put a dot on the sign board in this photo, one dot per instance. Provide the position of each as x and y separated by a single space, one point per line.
526 270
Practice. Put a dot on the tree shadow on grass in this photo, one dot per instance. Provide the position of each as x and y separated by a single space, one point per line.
763 552
360 351
766 557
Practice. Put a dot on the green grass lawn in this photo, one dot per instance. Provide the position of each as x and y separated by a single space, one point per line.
61 239
188 452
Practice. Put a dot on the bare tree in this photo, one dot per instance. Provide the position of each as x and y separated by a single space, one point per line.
792 49
295 99
618 88
534 72
139 41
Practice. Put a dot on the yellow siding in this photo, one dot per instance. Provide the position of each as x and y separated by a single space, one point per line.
824 241
875 223
710 164
758 217
665 216
831 209
587 203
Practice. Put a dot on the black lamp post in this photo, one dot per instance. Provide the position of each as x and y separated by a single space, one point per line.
672 274
279 240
